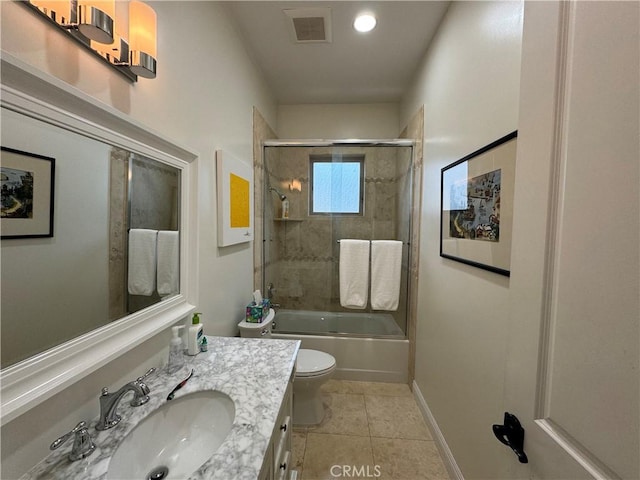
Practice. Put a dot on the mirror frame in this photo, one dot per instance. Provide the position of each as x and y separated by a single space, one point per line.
41 96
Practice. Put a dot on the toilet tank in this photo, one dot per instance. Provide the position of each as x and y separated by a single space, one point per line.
257 330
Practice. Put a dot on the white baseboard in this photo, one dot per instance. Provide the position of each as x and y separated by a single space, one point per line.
445 452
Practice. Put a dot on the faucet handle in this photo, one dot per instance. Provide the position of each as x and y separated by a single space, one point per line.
144 398
83 445
149 372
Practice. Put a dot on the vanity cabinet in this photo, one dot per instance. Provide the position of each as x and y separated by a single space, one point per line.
277 461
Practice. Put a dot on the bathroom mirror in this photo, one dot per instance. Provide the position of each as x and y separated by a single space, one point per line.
67 302
55 289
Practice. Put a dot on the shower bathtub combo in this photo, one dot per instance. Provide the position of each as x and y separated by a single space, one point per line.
300 253
366 346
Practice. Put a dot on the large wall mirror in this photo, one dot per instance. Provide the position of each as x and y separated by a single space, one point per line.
113 269
56 288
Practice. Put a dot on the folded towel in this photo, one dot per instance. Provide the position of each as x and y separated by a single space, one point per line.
168 274
386 263
142 261
354 273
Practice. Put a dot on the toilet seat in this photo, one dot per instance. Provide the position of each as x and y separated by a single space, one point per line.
313 363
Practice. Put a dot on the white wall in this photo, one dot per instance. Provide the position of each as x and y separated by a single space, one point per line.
469 85
202 98
333 121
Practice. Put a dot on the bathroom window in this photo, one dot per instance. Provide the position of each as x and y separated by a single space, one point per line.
337 184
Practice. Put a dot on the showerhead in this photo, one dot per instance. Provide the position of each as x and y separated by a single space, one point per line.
280 195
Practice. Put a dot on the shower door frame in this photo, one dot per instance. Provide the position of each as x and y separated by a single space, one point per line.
396 142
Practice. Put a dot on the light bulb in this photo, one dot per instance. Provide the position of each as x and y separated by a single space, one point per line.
364 23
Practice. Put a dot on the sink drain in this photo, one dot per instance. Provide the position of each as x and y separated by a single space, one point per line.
158 473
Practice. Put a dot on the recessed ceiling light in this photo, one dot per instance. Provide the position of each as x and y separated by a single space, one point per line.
364 23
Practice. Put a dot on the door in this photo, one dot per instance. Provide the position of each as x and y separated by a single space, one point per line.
572 373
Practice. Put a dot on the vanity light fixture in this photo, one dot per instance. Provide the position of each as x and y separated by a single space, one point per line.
118 51
143 38
57 10
96 20
364 22
122 32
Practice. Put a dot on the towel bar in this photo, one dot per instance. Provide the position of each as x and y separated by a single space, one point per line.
404 243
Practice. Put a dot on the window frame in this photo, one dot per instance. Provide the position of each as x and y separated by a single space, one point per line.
338 158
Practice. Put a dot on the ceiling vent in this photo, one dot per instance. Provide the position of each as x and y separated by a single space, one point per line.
309 25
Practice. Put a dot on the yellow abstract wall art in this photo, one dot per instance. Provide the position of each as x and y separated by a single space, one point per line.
235 199
239 198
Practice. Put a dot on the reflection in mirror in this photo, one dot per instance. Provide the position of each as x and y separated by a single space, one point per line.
143 221
56 289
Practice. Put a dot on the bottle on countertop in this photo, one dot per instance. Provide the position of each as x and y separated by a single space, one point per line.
176 352
194 335
285 208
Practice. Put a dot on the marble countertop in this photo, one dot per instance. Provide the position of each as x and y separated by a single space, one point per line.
253 372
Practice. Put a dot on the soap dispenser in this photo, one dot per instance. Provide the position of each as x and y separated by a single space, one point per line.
194 335
176 354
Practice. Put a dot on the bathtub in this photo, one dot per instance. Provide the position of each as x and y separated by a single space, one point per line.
367 346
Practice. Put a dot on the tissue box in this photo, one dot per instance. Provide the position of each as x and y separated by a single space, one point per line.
255 313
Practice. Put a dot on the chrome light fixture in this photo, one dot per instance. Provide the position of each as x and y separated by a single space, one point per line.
96 20
122 32
142 35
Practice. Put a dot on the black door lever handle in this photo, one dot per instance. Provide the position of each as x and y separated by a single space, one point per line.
512 435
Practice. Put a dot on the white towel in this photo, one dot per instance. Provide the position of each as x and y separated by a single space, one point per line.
354 273
168 275
386 263
142 261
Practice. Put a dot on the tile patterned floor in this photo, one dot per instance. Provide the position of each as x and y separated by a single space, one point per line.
370 430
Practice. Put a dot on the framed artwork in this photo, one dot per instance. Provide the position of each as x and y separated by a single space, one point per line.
235 200
27 191
477 207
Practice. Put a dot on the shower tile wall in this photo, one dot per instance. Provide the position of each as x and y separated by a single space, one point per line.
118 203
304 250
261 132
154 205
415 131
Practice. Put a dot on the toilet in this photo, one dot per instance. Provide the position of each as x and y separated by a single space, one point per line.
313 369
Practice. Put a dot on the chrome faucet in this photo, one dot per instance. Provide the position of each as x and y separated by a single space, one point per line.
270 291
109 401
83 445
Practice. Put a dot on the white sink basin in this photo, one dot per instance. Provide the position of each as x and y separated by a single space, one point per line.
175 440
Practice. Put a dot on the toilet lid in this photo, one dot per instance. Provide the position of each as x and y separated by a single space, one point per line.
312 362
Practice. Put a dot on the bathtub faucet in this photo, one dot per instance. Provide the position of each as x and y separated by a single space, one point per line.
270 291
